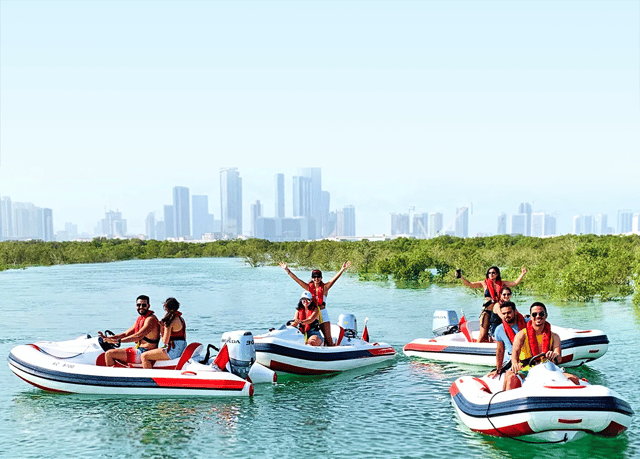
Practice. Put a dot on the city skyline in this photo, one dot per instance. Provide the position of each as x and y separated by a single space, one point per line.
423 105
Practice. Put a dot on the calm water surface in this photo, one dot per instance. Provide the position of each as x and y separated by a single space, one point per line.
397 410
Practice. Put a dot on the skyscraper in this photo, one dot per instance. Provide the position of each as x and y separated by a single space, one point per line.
200 217
399 224
502 224
601 225
181 212
314 174
301 196
625 220
45 222
525 208
435 223
421 225
150 226
583 224
346 222
279 196
6 213
256 213
462 222
230 202
517 224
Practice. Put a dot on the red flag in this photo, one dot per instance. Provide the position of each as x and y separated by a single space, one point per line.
340 336
222 359
365 334
462 326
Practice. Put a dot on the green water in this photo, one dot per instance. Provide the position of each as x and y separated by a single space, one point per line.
396 410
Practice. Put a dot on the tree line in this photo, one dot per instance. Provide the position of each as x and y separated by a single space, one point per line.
569 267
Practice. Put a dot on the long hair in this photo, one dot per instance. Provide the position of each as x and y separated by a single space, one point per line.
172 306
496 269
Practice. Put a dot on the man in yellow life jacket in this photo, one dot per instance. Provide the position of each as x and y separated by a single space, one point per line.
537 338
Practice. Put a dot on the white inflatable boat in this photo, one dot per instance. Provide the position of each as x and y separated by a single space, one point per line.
548 408
284 350
77 366
455 341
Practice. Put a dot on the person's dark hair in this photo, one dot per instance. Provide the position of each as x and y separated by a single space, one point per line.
507 289
496 269
172 306
509 304
300 305
541 305
145 298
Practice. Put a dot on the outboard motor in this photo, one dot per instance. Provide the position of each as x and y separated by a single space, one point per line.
444 322
242 351
349 325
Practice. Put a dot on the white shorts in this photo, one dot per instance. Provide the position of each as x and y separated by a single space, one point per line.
324 315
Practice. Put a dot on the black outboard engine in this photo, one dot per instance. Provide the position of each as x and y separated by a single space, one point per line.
349 325
242 351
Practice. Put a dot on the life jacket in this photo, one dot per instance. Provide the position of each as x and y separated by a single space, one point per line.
138 326
493 293
535 344
180 335
303 314
509 331
317 293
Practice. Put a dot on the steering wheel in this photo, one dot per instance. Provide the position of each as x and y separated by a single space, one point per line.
536 357
107 346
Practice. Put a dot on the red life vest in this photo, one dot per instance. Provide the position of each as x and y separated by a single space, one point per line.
509 331
317 293
533 341
139 325
494 294
177 335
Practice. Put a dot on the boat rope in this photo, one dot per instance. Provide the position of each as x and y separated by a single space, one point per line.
515 438
64 358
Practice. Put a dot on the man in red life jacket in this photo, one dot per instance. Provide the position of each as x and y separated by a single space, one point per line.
504 335
145 333
537 338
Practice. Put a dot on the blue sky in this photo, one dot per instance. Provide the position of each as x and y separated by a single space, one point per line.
425 104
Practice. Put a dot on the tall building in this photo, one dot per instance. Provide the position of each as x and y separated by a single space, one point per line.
635 223
400 224
314 174
150 226
230 202
517 224
169 227
279 196
113 225
256 213
346 222
583 224
542 224
435 224
625 220
601 225
301 196
328 224
525 208
461 224
6 213
200 217
45 224
502 224
181 212
420 225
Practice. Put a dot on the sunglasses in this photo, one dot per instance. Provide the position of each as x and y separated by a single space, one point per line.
538 314
141 305
305 299
506 294
492 272
316 277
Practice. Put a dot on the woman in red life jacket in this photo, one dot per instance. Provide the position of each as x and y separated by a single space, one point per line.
319 291
307 319
174 336
493 285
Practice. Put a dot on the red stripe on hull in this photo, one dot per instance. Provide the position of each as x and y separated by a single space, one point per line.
200 383
382 351
279 366
48 389
515 430
425 347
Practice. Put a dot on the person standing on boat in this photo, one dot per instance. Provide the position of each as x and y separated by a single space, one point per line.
174 336
145 332
534 339
319 291
307 319
492 285
505 333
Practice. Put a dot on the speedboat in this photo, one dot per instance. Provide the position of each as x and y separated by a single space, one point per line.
547 408
78 366
456 341
284 350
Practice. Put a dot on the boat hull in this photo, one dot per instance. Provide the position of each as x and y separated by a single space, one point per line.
42 370
578 348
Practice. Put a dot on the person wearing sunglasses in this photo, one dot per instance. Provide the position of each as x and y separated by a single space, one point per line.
319 291
534 339
504 335
493 285
145 332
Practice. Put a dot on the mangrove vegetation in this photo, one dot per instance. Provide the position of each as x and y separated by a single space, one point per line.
578 268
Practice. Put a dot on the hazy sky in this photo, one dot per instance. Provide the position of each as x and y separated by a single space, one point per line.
432 104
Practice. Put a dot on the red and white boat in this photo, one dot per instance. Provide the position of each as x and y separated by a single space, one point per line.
456 341
284 350
547 408
77 366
